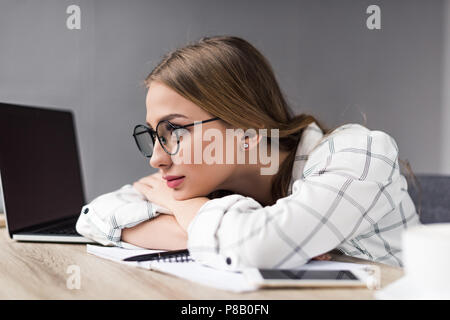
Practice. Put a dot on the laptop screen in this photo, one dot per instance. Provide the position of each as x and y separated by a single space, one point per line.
39 166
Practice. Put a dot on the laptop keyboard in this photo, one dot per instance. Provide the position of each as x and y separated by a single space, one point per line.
60 230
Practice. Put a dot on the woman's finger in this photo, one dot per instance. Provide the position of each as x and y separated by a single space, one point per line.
143 188
151 179
151 194
145 180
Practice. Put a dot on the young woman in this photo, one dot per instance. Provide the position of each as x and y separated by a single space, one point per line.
334 189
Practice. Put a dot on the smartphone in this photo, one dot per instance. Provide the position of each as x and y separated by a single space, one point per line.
304 278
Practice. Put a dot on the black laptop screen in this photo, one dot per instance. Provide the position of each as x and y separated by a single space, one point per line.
39 166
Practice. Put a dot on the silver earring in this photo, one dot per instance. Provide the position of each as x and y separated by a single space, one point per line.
245 145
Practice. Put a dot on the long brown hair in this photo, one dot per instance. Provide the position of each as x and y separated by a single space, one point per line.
231 79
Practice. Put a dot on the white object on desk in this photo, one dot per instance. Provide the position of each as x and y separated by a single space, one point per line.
196 272
426 255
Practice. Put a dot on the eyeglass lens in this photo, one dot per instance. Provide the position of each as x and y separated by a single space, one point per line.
144 140
169 138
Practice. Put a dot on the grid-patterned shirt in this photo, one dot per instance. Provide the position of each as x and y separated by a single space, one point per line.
346 193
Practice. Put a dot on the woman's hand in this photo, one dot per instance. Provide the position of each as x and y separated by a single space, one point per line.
155 189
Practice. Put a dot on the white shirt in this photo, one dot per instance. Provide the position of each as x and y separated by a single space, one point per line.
346 194
103 219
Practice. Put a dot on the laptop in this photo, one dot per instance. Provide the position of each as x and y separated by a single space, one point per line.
40 174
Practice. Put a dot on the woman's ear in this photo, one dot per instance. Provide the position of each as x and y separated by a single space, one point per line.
250 140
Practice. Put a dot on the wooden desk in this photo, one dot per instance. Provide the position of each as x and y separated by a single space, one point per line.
38 271
2 220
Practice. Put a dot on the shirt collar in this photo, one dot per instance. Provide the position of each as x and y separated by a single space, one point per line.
310 137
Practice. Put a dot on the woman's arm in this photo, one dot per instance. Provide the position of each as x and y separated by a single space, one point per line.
162 232
353 183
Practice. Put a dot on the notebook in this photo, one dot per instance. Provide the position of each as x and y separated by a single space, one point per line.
187 269
190 270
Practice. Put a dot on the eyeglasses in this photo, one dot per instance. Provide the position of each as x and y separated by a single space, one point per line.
167 133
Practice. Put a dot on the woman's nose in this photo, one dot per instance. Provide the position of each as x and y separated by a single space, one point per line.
159 158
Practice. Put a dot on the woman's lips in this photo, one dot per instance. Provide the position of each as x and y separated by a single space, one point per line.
175 182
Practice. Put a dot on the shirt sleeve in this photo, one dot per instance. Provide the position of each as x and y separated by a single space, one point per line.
103 219
349 183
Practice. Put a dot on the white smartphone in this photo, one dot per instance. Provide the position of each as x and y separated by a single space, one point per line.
304 278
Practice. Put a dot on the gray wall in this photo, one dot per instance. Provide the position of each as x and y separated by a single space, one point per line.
445 118
327 61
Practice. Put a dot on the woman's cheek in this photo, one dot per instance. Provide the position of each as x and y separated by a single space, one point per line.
201 181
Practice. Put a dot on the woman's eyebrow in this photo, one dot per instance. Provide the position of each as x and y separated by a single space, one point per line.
169 117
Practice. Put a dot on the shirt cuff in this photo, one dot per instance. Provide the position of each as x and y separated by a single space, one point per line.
103 219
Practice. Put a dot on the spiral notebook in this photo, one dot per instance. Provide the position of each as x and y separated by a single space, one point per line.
165 256
183 267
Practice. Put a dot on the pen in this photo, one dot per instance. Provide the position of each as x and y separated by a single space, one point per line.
157 255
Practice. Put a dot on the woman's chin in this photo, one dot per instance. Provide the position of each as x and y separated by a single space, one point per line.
180 195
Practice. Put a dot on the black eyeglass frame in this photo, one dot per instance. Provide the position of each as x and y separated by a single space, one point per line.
154 133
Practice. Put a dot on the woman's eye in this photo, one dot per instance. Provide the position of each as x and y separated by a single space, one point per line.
181 131
171 127
176 126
